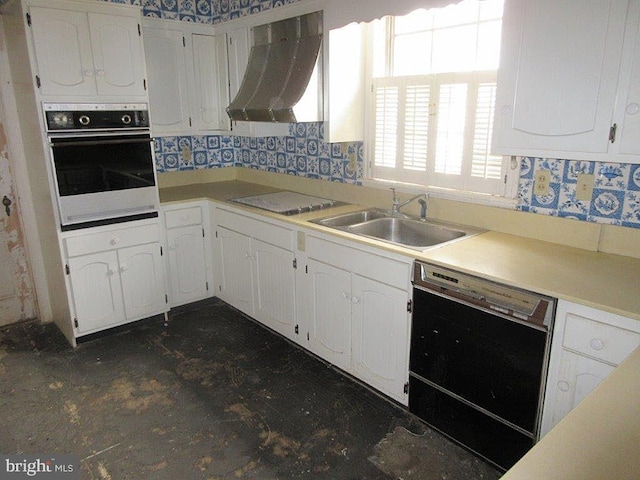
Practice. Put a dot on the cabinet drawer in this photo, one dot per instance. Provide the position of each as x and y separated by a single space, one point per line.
598 340
111 239
183 217
266 231
377 267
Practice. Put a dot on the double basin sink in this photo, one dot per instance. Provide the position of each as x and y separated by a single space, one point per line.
409 232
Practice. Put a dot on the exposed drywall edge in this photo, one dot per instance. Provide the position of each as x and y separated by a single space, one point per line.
620 240
178 179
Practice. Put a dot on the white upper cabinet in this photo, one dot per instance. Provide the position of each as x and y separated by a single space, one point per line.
167 67
86 54
188 77
211 90
560 67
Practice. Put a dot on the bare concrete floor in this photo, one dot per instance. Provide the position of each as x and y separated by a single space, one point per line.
208 395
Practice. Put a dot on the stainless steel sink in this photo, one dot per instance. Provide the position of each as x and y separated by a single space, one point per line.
348 219
405 231
408 232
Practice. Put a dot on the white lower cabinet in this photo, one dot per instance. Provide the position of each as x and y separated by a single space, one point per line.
187 252
235 282
329 312
354 304
257 270
588 344
380 335
115 276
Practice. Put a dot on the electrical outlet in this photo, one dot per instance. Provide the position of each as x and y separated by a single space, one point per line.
541 182
301 241
186 153
353 161
584 187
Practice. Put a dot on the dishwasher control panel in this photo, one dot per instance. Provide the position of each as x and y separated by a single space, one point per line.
514 302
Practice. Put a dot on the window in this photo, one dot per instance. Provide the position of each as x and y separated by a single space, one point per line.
433 85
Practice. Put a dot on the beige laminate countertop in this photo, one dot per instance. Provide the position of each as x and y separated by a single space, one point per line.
604 281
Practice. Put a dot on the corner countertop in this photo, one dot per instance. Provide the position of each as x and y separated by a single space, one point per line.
599 280
598 439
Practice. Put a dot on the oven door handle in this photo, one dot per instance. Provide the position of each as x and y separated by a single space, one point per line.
92 143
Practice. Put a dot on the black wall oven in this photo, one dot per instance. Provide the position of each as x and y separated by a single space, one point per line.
102 163
478 361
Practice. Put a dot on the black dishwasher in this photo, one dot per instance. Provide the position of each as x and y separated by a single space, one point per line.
478 361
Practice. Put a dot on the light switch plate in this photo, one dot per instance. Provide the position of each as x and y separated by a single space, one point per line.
541 182
584 187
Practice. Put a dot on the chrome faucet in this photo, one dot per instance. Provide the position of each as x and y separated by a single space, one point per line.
397 205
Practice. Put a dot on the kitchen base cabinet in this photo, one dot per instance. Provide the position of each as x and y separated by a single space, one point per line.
188 254
115 275
588 344
329 307
235 282
355 306
274 287
380 335
257 270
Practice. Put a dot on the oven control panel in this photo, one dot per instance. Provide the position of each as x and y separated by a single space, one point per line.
76 117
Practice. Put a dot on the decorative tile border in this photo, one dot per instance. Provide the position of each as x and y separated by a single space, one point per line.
203 11
303 153
616 192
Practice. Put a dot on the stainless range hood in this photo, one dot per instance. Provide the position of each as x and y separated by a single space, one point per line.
281 62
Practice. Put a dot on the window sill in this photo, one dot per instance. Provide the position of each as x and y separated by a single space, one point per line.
454 195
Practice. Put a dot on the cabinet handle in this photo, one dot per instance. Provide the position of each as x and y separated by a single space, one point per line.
355 300
596 344
100 73
115 240
344 295
112 271
124 268
563 386
87 73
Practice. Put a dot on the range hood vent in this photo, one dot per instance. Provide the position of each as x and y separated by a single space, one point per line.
281 62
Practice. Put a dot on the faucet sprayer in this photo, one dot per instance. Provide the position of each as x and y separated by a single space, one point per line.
397 205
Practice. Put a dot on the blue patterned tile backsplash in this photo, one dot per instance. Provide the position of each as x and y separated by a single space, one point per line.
303 153
616 191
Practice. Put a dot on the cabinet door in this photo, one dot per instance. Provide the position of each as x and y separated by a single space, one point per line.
167 68
187 266
330 313
211 82
629 96
380 323
142 280
117 54
558 75
62 44
238 48
236 286
577 377
274 287
96 291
